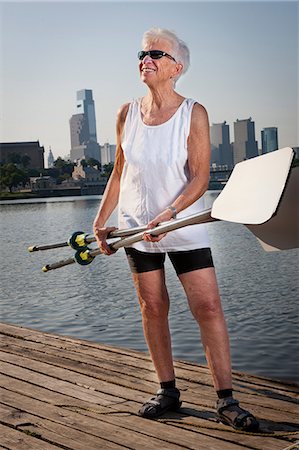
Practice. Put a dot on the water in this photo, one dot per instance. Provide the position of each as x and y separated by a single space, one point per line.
259 290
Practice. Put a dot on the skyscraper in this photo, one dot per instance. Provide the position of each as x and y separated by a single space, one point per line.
269 139
107 153
245 145
50 159
84 143
222 154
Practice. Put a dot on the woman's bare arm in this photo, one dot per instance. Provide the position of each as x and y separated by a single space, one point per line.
111 193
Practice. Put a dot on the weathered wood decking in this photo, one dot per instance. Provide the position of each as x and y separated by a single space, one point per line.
58 392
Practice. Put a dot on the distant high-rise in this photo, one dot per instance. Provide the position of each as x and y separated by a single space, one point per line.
222 154
107 153
50 159
245 145
84 143
269 139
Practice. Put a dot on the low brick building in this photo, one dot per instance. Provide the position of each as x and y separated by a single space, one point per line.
32 149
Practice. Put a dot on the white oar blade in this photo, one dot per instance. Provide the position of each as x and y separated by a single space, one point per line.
253 191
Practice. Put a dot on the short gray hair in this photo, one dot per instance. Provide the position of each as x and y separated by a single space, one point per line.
180 49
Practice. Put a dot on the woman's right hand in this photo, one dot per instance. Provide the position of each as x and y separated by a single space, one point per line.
101 234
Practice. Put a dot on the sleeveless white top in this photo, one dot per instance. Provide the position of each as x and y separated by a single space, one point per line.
155 172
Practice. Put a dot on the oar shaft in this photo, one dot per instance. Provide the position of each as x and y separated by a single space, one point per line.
197 218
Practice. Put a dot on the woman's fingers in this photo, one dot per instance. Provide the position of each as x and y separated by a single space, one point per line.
101 235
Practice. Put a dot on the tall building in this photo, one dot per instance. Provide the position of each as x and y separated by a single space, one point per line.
269 139
245 145
84 143
50 159
107 153
222 155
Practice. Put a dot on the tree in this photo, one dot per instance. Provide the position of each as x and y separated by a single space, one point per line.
94 162
11 176
64 167
108 169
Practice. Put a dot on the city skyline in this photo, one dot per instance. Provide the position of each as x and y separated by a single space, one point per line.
243 64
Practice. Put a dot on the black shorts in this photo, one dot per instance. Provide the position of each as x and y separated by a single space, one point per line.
182 261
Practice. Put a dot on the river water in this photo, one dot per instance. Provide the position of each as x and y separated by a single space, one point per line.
259 290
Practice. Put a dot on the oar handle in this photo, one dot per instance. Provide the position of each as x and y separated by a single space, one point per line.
37 248
58 264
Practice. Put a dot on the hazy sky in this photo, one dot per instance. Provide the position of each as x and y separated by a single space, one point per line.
244 62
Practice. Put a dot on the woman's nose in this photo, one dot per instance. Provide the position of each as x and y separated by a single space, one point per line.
146 58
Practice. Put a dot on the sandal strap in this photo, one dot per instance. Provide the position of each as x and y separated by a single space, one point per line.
224 403
170 392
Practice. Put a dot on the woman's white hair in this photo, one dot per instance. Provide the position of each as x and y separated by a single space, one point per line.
180 50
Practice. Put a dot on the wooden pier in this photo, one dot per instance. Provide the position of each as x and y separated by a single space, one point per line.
64 393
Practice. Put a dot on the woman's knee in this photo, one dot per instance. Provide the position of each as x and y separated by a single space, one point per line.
206 308
154 307
152 294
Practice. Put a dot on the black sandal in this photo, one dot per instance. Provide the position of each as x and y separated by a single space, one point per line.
230 413
165 400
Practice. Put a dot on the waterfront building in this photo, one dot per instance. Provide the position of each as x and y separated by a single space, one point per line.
84 144
269 139
244 145
221 149
107 153
86 174
15 151
50 159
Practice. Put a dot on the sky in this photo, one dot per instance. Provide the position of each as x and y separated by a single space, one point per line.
244 63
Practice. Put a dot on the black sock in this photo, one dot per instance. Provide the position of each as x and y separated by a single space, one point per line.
224 393
167 384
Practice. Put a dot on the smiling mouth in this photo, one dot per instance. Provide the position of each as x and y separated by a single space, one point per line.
148 69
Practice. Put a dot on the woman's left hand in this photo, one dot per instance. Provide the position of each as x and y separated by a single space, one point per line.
164 216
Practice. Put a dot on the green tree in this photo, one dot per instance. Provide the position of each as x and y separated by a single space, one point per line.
11 176
108 169
94 162
64 167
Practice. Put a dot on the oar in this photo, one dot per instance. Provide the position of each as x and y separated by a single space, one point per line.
79 239
251 196
85 255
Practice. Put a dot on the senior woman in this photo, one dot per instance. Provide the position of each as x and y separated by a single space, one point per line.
161 172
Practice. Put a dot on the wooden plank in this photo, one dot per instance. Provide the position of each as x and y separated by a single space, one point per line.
119 363
206 395
86 346
54 432
120 433
88 375
17 440
199 425
198 421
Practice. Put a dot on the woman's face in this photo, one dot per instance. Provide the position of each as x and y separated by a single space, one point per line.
155 71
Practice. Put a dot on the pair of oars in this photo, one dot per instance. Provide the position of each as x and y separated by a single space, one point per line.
251 197
84 255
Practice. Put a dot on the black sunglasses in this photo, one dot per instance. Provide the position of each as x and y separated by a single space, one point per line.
154 54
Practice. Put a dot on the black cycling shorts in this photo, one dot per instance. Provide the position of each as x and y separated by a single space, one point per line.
182 261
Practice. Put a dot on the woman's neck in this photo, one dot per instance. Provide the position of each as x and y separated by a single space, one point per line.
161 98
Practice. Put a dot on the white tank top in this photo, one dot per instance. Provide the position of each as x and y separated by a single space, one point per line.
155 172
